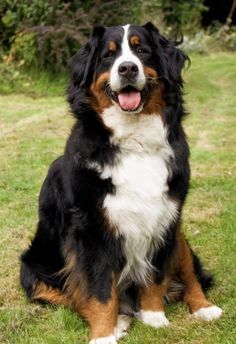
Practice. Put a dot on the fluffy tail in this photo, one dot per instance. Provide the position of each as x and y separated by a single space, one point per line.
204 277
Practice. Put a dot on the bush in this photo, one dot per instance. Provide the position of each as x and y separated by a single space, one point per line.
23 48
183 15
205 42
47 32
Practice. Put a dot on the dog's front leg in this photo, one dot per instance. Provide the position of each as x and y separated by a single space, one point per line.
194 296
152 304
101 317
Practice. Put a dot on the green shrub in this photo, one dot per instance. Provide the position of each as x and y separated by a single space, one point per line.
46 32
24 48
229 40
183 15
205 42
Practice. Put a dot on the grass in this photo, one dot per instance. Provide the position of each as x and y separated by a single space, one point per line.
19 79
33 133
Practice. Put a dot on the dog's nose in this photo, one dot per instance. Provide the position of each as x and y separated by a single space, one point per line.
128 70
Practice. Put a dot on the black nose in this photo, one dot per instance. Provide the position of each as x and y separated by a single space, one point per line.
128 70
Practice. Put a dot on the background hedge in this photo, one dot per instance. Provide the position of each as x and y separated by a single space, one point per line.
45 33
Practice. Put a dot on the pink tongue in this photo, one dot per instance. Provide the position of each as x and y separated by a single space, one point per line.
130 100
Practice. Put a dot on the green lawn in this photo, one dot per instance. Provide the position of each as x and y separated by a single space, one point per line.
33 133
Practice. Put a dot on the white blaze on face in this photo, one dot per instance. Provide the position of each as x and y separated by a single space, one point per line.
126 56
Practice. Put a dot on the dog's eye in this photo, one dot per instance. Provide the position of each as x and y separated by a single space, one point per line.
140 51
109 53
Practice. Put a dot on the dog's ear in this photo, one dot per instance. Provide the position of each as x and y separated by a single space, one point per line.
171 60
82 64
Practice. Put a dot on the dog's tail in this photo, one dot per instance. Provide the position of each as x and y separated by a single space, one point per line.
177 287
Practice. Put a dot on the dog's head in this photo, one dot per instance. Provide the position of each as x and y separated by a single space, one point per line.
129 66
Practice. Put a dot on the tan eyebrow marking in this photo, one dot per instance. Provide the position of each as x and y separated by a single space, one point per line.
134 40
112 46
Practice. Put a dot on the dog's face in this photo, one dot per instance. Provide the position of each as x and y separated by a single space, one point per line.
123 65
127 66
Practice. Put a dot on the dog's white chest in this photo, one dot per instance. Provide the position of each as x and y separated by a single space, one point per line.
140 209
138 204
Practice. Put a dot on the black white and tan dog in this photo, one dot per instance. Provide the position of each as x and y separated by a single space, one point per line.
109 242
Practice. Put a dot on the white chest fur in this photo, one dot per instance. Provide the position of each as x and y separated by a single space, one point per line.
140 209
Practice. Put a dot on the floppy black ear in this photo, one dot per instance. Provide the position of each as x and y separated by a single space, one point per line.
171 59
82 64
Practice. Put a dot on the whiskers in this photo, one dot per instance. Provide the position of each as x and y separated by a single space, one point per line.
109 92
107 85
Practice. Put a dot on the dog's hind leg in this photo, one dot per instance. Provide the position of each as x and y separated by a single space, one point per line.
194 296
37 290
49 294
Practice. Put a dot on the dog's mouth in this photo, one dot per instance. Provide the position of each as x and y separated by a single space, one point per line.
128 98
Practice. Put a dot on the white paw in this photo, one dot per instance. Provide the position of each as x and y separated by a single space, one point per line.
208 313
104 340
123 323
155 319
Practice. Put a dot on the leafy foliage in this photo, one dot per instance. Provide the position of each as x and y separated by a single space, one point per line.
45 33
183 14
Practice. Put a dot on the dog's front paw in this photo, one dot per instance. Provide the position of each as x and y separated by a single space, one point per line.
208 313
123 323
104 340
155 319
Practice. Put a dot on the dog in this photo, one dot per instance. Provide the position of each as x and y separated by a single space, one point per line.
109 242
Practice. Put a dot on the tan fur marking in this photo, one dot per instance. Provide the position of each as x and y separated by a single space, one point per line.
75 282
155 103
70 262
193 294
152 297
100 101
50 294
135 40
102 317
150 72
112 46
